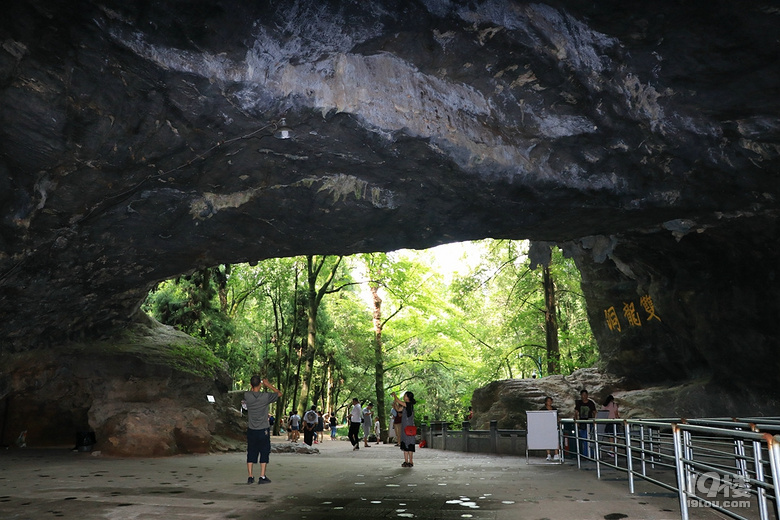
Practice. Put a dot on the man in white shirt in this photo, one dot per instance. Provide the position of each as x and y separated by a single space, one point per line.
309 424
355 419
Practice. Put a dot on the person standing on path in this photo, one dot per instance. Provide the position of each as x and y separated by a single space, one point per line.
584 409
334 424
548 406
396 413
310 425
407 423
355 418
258 433
295 426
319 437
368 424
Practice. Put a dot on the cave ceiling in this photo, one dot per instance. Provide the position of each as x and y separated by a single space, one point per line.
137 138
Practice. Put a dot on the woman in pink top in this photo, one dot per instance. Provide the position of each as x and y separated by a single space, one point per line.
609 430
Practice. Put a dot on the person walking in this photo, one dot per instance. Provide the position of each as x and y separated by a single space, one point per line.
355 419
377 430
408 429
258 433
310 425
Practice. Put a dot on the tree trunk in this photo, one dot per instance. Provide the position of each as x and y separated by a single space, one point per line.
312 307
314 299
297 379
379 367
328 391
551 324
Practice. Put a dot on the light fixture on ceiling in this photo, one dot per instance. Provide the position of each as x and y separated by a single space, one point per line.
283 131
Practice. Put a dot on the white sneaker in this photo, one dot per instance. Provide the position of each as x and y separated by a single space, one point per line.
556 457
549 458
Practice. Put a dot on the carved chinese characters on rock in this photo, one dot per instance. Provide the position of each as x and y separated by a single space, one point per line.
631 315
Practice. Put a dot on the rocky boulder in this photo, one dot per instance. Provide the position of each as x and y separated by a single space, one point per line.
507 401
142 394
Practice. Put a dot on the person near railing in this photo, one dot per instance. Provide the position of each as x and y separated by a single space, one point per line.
609 429
548 405
584 409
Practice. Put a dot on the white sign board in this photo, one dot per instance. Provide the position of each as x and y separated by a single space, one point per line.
542 430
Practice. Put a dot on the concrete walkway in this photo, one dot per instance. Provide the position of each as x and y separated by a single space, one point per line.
337 483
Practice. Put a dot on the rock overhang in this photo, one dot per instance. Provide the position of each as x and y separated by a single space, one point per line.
137 143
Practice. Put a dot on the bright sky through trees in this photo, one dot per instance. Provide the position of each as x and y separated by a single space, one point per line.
453 318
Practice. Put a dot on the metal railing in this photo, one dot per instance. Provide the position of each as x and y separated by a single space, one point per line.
730 465
440 435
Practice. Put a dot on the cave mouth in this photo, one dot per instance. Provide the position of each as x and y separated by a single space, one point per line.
642 138
538 281
29 420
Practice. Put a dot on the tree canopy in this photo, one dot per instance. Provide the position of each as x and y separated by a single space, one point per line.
325 329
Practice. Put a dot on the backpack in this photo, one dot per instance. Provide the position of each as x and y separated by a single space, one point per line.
310 417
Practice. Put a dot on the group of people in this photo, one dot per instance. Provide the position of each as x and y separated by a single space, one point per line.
405 432
584 409
312 424
361 417
258 434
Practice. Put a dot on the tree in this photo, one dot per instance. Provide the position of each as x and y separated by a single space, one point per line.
513 312
413 342
195 304
393 276
550 322
408 329
314 268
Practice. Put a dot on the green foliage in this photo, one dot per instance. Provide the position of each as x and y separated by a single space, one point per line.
195 360
441 337
192 304
503 311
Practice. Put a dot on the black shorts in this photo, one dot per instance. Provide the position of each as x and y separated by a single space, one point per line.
258 445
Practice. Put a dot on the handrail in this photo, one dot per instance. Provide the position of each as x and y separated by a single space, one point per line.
713 458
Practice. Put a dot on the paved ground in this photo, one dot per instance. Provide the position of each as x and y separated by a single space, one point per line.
336 483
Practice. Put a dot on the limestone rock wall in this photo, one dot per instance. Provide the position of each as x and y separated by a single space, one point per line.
137 143
137 400
506 401
695 303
